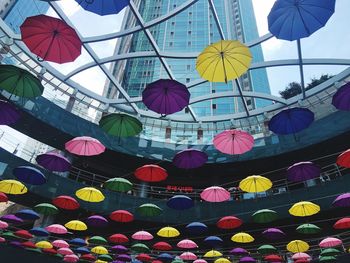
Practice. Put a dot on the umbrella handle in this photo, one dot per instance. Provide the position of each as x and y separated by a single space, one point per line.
89 1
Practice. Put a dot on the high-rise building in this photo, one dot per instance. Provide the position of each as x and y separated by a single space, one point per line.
190 31
5 6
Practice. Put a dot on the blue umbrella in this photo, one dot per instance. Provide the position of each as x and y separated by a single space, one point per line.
196 228
82 250
103 7
27 214
180 202
29 175
213 241
295 19
78 242
38 231
291 121
165 257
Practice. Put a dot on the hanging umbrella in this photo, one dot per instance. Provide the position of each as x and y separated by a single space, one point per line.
43 244
118 238
88 257
76 225
66 202
118 185
166 96
56 229
3 198
330 242
267 249
46 209
143 257
297 246
2 240
308 229
223 61
304 208
213 241
343 223
3 225
27 214
8 235
301 255
229 222
265 216
341 99
103 7
212 254
168 232
163 246
23 234
215 194
328 259
177 260
255 184
343 159
238 251
85 146
200 261
53 161
180 202
68 255
222 260
121 216
196 228
119 249
247 260
90 194
187 244
151 173
82 250
142 235
9 114
188 256
120 125
97 221
242 238
291 121
98 240
165 257
303 171
28 244
342 200
273 234
12 187
190 159
99 250
104 258
233 142
149 210
330 252
51 39
60 243
19 82
50 251
39 232
292 20
140 248
78 242
273 258
29 175
9 218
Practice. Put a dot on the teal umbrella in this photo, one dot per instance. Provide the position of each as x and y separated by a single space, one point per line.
267 250
98 240
149 210
264 216
19 82
140 248
118 185
328 259
120 125
329 252
46 209
308 229
106 258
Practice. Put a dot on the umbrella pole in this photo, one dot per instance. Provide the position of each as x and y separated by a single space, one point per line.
301 68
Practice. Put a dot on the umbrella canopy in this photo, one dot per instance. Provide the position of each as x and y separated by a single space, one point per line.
121 216
149 210
233 142
97 221
78 242
343 159
29 175
13 187
118 185
27 214
46 209
200 261
23 234
51 39
38 231
291 121
188 256
165 257
90 194
255 184
304 208
303 171
273 234
120 125
3 225
242 238
140 248
163 246
19 82
297 246
196 228
53 161
166 96
342 200
328 259
103 7
168 232
273 258
229 222
151 173
142 235
301 255
343 223
9 114
238 251
98 240
265 216
330 242
330 252
187 244
247 260
66 202
85 146
267 249
292 20
143 257
341 99
308 229
180 202
3 198
10 218
88 257
223 61
119 249
212 254
84 251
99 250
118 238
29 244
60 243
215 194
43 244
213 241
190 158
76 225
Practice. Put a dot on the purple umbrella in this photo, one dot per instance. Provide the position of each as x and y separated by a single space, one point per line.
16 244
97 221
118 261
166 96
53 161
9 113
190 158
119 249
342 200
11 219
123 257
341 99
238 251
303 171
247 259
273 233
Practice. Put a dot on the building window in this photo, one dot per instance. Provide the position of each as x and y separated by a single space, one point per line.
188 67
170 44
188 80
213 106
189 43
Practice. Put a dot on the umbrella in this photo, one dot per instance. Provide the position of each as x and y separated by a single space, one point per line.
238 251
149 210
60 243
301 255
2 240
143 257
266 249
51 39
242 238
343 223
229 222
50 251
97 221
196 228
308 229
200 261
330 252
85 146
291 121
142 235
213 241
187 244
330 242
38 231
118 185
120 125
19 82
180 202
66 202
97 240
53 161
177 260
122 216
297 246
23 234
99 250
341 99
3 198
215 194
27 214
304 208
255 183
12 187
76 225
212 254
9 114
188 256
140 248
3 225
119 249
163 246
68 255
265 216
103 7
273 233
88 257
247 260
166 96
222 260
104 258
328 259
82 250
165 257
292 20
46 209
29 244
11 219
8 235
342 200
56 229
118 238
29 175
90 194
151 173
168 232
223 61
43 244
343 159
78 242
233 142
273 258
303 171
190 158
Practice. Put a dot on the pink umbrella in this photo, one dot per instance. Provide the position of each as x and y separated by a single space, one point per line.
85 146
330 242
187 244
65 251
188 256
215 194
233 142
200 261
3 225
60 244
71 258
302 256
2 240
142 235
56 229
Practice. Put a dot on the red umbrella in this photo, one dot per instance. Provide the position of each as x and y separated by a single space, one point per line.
343 223
151 173
122 216
28 244
23 234
344 159
163 246
66 202
144 257
229 222
51 251
88 257
118 238
3 197
273 258
51 39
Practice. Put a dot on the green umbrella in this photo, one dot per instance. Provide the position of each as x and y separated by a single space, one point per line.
330 252
8 235
106 257
37 250
264 216
19 82
120 125
46 209
177 260
308 229
267 249
97 240
328 259
149 210
118 185
140 248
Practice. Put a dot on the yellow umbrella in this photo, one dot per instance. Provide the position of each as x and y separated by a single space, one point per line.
255 183
242 238
43 244
168 232
90 194
99 250
297 246
222 260
223 61
212 254
100 261
304 208
76 225
12 187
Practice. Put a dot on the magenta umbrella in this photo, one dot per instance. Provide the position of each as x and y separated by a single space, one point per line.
301 256
3 225
97 221
303 171
11 219
190 158
85 146
215 194
233 142
65 251
60 243
187 244
188 256
142 235
342 200
330 242
56 229
200 261
273 234
53 161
